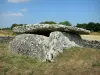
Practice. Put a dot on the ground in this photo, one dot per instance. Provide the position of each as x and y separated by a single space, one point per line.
73 61
92 36
6 33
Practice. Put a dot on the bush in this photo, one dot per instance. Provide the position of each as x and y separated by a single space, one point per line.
90 26
67 23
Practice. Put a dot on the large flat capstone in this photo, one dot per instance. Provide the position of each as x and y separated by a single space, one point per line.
48 28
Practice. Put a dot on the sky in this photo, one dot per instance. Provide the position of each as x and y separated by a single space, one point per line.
36 11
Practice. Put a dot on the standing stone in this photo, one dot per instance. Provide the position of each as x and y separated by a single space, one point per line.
60 40
30 45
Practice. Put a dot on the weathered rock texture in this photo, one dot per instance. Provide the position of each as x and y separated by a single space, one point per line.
30 45
91 44
40 28
5 39
42 47
45 42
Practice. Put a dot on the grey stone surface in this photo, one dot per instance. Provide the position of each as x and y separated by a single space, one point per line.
5 39
60 40
42 47
40 28
91 44
30 45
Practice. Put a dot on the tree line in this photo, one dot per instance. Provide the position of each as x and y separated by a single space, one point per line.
89 26
95 27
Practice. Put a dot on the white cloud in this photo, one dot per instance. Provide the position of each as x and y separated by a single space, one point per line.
17 1
25 9
15 14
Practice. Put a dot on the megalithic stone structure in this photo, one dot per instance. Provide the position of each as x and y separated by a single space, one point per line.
45 41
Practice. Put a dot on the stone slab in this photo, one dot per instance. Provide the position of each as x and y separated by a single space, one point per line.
41 28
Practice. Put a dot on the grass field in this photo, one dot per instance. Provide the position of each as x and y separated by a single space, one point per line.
95 33
74 61
91 37
6 33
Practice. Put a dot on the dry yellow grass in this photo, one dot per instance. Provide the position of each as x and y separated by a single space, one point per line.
73 61
6 33
91 37
95 33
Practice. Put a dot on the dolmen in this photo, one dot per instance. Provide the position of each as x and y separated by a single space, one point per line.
45 41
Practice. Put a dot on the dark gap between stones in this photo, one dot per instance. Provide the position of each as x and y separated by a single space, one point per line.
45 33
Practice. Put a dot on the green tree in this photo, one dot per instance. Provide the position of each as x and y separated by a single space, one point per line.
7 28
67 23
14 25
97 27
90 26
48 22
84 25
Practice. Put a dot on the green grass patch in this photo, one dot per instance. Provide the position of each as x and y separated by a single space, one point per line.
79 61
96 64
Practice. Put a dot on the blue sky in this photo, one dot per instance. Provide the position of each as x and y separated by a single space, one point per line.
35 11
